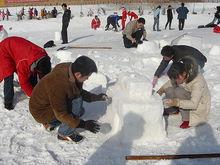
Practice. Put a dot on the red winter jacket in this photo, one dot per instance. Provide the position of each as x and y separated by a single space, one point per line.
17 55
133 15
95 23
216 29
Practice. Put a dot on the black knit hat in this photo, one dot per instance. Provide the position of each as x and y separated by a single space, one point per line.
167 51
141 20
44 66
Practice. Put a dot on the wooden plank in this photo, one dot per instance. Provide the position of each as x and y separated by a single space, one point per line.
166 157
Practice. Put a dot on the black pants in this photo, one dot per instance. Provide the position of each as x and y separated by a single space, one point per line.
169 21
64 32
9 87
181 24
112 22
137 36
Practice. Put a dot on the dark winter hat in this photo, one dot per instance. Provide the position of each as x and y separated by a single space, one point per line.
64 5
44 65
84 65
141 20
167 51
49 44
187 65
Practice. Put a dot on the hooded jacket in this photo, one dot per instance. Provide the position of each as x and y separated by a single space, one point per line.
17 55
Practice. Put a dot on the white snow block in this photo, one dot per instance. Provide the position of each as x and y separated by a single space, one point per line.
148 47
215 50
64 56
136 111
194 41
96 83
57 36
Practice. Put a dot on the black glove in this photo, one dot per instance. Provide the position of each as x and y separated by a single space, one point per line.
145 39
104 97
90 125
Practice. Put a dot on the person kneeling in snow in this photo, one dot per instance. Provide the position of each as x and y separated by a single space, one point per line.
175 53
216 20
57 99
133 33
187 92
28 60
95 23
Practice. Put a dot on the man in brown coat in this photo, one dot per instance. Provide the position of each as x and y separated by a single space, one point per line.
57 99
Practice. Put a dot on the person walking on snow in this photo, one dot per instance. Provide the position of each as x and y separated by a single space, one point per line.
28 60
187 92
176 53
133 33
58 99
182 15
169 17
65 23
124 18
157 18
95 23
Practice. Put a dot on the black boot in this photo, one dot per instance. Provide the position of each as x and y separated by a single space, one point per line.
9 106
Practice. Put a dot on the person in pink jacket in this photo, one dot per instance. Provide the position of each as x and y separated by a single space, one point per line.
29 61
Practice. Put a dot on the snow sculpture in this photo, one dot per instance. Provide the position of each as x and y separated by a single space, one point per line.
133 95
148 47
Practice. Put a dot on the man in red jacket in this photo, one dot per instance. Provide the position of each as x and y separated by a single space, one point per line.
132 15
95 23
28 60
124 17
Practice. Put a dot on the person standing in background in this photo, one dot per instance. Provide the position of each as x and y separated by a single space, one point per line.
65 23
124 18
156 18
182 15
169 17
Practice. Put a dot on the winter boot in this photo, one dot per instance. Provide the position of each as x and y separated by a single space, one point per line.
75 137
185 125
9 106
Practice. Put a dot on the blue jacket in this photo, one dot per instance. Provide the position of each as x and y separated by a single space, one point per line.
182 12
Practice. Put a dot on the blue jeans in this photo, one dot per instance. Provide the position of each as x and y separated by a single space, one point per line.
77 111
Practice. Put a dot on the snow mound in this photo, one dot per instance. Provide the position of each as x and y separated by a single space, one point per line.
148 47
189 40
215 50
97 83
64 56
133 96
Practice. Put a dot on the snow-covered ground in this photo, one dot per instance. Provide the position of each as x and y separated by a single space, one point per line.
24 141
